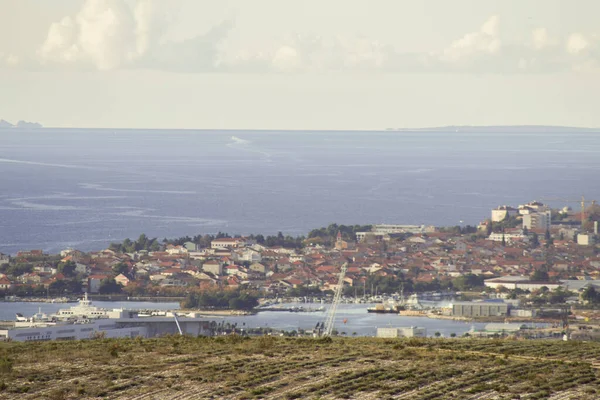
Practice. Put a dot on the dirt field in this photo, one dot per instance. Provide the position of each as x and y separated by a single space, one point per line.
273 368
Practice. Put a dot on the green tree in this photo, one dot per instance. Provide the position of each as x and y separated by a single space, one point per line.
535 240
540 276
108 286
67 268
120 268
591 295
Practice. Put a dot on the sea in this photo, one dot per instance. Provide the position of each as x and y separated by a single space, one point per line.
352 319
86 188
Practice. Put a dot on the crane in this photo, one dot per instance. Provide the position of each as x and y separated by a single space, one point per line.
580 201
330 316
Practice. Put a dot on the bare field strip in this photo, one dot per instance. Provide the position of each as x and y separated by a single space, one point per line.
180 368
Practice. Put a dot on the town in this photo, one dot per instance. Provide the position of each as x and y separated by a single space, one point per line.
530 256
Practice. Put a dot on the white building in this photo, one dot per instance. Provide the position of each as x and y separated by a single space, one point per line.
227 242
214 267
531 207
508 237
412 331
519 282
502 212
538 220
583 240
508 282
522 313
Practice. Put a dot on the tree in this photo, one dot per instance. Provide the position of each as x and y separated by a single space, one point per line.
67 268
109 285
535 240
539 276
591 295
437 334
503 240
62 287
120 268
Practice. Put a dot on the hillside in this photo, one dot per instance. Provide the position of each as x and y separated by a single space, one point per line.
287 368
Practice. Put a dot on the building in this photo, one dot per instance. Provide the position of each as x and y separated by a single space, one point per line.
5 283
538 220
94 282
498 329
532 207
382 231
412 331
508 282
478 309
523 313
583 240
4 258
213 267
519 282
508 237
122 279
224 243
503 212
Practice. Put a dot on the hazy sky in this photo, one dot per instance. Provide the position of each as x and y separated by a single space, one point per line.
303 64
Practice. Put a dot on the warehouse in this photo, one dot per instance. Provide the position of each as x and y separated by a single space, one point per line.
478 309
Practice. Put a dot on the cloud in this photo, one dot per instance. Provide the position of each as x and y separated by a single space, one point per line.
577 43
540 38
9 60
483 41
308 53
114 34
108 34
101 34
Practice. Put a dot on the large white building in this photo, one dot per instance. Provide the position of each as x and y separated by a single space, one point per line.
519 282
538 220
412 331
478 309
224 243
508 237
502 212
381 230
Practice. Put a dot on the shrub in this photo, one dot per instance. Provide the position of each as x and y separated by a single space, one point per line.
6 365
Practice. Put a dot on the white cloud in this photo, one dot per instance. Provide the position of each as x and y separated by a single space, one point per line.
151 24
576 43
100 34
107 34
484 41
540 38
9 60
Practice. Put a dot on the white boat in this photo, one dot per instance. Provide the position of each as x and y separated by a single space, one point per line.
84 309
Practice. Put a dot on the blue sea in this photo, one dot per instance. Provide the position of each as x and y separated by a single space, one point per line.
85 188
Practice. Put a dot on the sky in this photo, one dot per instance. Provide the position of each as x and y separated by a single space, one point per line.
303 64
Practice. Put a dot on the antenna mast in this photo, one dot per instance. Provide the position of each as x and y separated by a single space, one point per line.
330 317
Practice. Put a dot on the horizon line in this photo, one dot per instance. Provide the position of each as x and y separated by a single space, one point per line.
388 129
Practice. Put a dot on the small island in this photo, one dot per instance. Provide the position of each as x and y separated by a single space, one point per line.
19 125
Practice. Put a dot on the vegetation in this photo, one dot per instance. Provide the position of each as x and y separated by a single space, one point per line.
142 243
328 235
233 299
266 367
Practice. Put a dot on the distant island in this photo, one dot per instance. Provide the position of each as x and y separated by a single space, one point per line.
19 125
498 129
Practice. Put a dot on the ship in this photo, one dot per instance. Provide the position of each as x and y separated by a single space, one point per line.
381 309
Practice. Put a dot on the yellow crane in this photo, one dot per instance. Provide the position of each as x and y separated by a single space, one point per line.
580 201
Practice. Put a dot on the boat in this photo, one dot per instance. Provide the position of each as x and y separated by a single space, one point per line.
381 309
84 309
